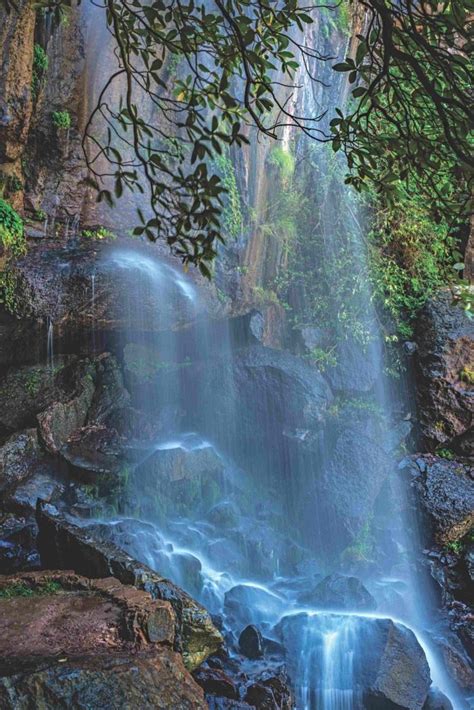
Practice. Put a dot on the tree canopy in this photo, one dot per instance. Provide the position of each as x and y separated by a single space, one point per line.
409 120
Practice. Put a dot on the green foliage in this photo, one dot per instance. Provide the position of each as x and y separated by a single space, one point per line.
11 230
231 216
412 256
20 589
411 115
284 161
39 215
61 120
325 282
99 234
445 453
40 66
10 184
324 357
467 375
456 547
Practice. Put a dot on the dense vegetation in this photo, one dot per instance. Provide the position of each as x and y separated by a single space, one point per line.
410 119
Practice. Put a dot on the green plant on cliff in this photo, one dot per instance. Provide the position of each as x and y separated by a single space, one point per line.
412 256
61 120
284 161
40 66
11 230
231 216
99 234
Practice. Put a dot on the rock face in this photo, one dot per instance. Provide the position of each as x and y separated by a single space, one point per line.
445 492
251 642
339 592
445 360
389 666
16 39
18 457
64 545
113 644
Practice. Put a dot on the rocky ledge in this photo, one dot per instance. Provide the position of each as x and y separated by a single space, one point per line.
69 641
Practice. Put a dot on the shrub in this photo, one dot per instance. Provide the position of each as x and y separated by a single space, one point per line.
99 233
284 161
61 119
40 66
11 230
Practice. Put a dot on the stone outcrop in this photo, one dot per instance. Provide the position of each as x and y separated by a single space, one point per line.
445 363
445 492
63 545
70 641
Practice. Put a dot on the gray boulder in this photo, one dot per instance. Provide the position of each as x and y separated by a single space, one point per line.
445 492
340 592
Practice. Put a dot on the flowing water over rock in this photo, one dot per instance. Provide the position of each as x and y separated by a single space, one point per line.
215 489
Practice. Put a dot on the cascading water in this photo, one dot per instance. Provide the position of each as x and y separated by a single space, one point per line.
225 490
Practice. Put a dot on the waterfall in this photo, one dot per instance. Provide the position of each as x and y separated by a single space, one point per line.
231 493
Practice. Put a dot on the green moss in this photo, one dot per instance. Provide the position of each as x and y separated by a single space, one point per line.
61 120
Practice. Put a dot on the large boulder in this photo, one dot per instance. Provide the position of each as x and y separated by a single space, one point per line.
27 390
445 360
181 477
103 645
374 662
339 592
258 385
351 471
62 418
445 492
63 545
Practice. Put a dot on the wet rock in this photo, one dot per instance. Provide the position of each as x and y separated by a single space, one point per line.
62 418
389 666
339 592
445 361
18 458
456 657
95 453
84 616
224 515
251 642
271 691
188 479
249 604
110 395
436 700
355 372
18 549
158 679
445 491
215 682
25 391
342 499
54 267
63 545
